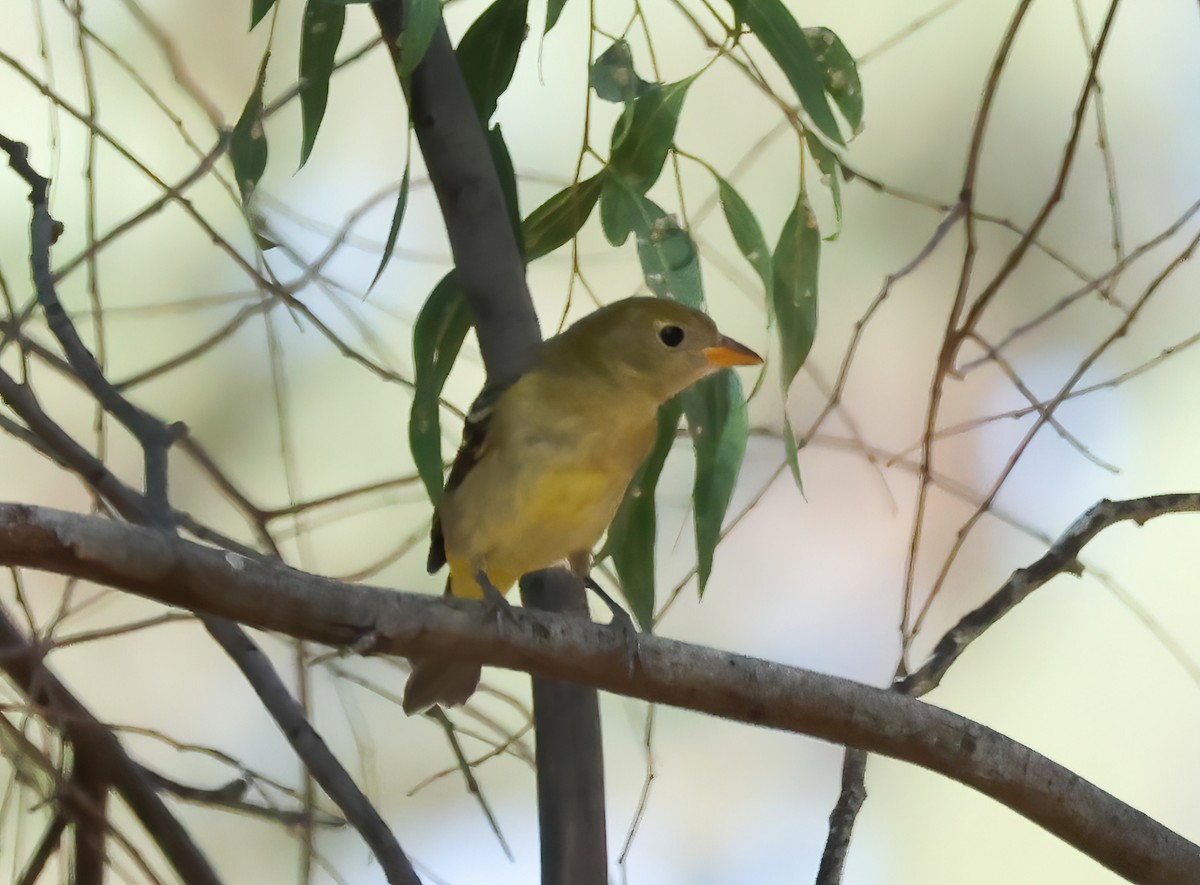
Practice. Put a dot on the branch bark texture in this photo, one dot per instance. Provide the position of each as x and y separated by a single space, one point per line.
273 597
468 189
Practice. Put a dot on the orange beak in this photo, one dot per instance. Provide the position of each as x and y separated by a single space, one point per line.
730 353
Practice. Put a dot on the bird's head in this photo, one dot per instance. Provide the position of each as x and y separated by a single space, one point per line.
651 344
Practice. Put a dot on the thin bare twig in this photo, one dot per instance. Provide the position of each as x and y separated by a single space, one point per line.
1062 557
1042 419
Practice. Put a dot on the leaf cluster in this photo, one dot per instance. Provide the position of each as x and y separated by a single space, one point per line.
822 75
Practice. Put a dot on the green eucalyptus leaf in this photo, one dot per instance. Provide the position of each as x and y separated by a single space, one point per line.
795 266
248 141
258 11
670 261
322 31
841 74
421 19
612 75
827 162
792 449
748 235
559 219
438 335
624 122
641 144
784 40
716 417
397 219
618 208
633 530
488 53
715 408
554 9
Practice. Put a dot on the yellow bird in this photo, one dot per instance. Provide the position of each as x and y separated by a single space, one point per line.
545 462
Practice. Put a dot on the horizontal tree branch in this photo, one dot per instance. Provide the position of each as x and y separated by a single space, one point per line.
274 597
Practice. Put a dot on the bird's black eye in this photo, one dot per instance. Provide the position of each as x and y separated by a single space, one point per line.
672 336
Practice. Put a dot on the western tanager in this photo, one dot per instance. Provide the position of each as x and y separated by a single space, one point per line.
545 462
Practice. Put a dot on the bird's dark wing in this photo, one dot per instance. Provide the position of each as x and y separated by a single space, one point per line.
469 452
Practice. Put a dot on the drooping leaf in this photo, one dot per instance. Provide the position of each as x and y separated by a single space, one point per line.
554 9
795 269
558 219
841 74
641 140
438 335
623 124
792 449
716 416
670 262
640 149
421 19
258 10
827 162
747 233
612 75
248 141
508 182
632 532
715 407
397 219
784 40
322 31
618 208
487 53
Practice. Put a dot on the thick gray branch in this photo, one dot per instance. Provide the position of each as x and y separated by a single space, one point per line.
274 597
468 189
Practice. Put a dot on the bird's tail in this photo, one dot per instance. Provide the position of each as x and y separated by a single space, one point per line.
436 681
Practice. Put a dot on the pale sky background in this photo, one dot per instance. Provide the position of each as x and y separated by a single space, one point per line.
814 581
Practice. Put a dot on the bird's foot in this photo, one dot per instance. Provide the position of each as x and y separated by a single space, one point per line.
498 608
621 622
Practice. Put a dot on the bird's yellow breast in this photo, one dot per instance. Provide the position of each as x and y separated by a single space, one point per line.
545 488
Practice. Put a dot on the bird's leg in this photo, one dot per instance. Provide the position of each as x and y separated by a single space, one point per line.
621 622
580 564
498 607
